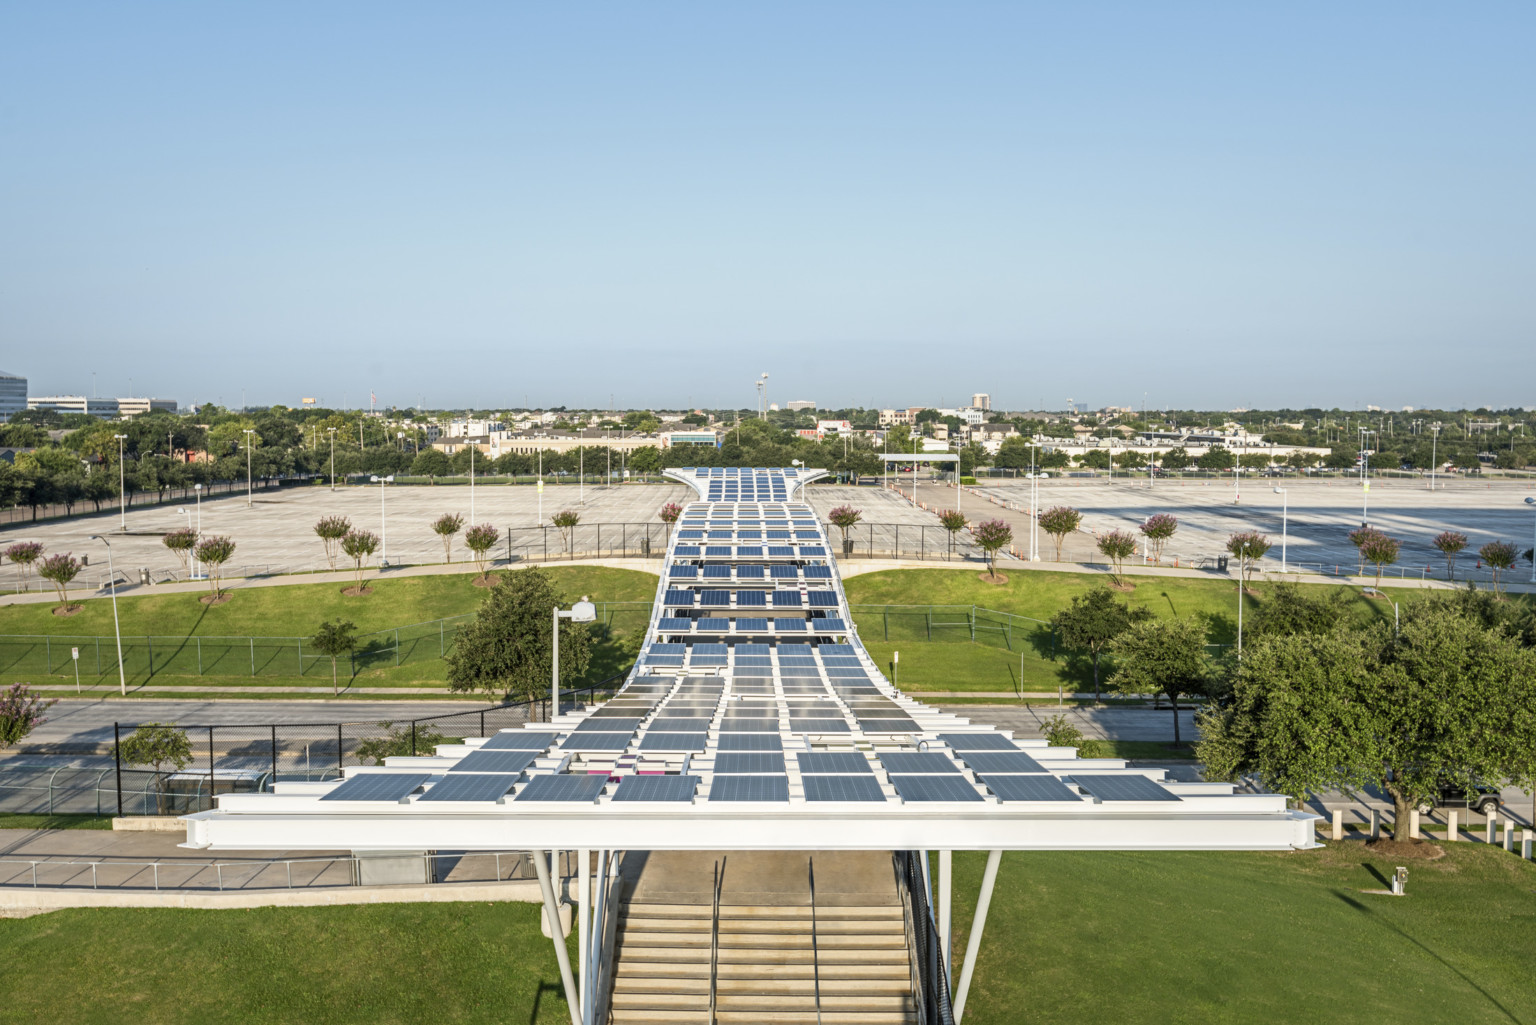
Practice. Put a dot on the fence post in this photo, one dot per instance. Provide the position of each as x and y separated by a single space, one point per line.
973 624
338 750
253 655
210 767
274 753
413 736
48 654
298 643
442 640
482 722
98 656
117 758
397 646
149 646
199 656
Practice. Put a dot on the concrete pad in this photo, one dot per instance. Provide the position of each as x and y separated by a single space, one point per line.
843 878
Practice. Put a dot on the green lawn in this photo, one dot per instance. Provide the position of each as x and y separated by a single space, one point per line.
10 820
380 965
1169 938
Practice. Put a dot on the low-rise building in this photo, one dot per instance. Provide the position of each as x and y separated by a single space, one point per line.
13 395
106 409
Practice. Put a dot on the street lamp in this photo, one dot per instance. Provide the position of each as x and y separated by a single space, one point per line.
248 432
332 432
122 680
1532 502
582 612
192 565
1284 524
383 524
122 490
1365 478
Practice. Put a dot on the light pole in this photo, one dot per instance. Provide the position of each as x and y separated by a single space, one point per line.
1434 442
472 451
1284 523
122 490
332 432
582 612
122 680
1532 502
1365 478
383 524
248 432
762 396
192 565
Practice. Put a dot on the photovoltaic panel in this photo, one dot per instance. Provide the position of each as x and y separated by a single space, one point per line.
781 572
813 550
822 599
686 550
780 551
920 789
1030 788
750 789
918 762
786 599
717 551
751 742
520 740
683 572
750 625
680 724
583 788
749 551
742 762
842 788
607 724
471 787
749 572
378 786
752 649
889 724
715 598
652 789
668 624
715 573
837 660
712 623
1000 761
978 742
829 624
711 649
679 598
751 599
795 650
818 572
496 761
655 741
788 625
749 726
818 726
597 741
837 649
833 763
1123 788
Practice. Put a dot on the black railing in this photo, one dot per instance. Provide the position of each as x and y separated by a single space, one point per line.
926 951
250 757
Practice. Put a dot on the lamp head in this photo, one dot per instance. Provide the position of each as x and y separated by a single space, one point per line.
1530 501
373 479
1279 491
583 611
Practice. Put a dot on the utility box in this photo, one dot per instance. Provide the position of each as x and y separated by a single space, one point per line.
1221 563
390 868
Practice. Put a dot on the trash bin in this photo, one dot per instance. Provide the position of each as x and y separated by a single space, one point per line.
1221 563
144 575
645 547
847 547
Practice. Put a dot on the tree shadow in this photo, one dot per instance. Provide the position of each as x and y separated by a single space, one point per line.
538 998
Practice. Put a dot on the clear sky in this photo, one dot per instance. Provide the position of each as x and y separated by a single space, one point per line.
883 203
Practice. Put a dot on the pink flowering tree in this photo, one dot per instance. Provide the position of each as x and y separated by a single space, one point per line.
1158 529
1450 543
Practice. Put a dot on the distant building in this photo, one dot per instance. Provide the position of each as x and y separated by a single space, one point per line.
107 409
982 401
13 395
800 405
672 439
133 407
833 427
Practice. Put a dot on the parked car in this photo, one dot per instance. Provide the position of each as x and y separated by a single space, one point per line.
1480 797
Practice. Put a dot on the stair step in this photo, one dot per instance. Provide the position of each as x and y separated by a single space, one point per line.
669 1016
894 968
766 956
677 927
705 911
829 987
780 1002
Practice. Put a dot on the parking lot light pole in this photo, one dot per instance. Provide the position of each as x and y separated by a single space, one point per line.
1532 502
383 523
122 490
582 612
122 679
248 432
332 432
1284 523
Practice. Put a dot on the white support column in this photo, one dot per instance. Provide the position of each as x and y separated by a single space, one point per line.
973 943
595 939
552 909
583 921
947 913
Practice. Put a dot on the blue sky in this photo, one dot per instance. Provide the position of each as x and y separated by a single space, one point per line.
879 204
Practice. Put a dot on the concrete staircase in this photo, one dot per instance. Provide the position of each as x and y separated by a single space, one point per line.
766 966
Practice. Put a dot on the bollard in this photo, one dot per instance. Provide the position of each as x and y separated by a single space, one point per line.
1452 834
1509 834
1338 823
1525 844
1375 824
1493 817
1413 824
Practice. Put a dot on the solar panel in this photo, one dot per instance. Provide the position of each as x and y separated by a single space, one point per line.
658 741
749 551
686 550
781 572
378 786
1000 761
471 787
679 724
751 742
922 789
843 788
818 726
715 573
751 599
679 598
715 598
1030 788
837 649
815 550
822 599
788 625
584 788
748 726
670 789
717 551
829 625
669 624
713 623
750 625
1123 788
833 763
597 741
520 740
918 762
749 762
978 742
683 572
818 572
749 572
496 761
888 724
607 724
780 551
786 599
750 789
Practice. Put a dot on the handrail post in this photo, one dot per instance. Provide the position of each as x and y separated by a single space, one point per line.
810 867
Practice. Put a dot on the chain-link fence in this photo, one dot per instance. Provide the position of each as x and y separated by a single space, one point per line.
924 542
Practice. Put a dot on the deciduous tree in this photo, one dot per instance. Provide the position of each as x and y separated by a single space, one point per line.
1117 546
1248 547
1358 538
1499 555
24 554
1380 551
991 537
953 521
181 542
359 545
1450 543
1058 522
159 745
506 651
1091 622
1158 529
59 570
330 530
21 711
566 520
1162 656
213 553
431 464
334 639
843 518
445 527
480 539
668 514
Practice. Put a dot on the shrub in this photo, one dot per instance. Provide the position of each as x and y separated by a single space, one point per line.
20 712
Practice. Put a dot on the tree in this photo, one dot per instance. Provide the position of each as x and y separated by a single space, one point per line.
1450 544
1216 459
330 530
1158 529
1381 551
1445 700
335 639
24 554
359 545
1117 546
431 464
1162 656
1096 459
1176 458
566 520
1091 622
992 536
1499 555
843 518
445 527
181 542
1059 522
213 552
480 540
1358 538
506 651
668 514
21 711
1059 731
1289 610
60 570
398 740
953 521
158 744
1247 547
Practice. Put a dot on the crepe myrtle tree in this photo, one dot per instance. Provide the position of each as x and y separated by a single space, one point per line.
668 514
1500 556
991 537
1117 546
480 539
181 542
1248 547
59 570
359 545
843 518
21 711
1380 551
445 527
213 552
1358 538
330 530
1158 529
1451 543
158 745
24 554
953 521
1059 522
333 639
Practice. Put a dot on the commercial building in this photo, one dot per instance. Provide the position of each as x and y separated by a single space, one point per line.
982 401
13 395
700 436
800 405
106 409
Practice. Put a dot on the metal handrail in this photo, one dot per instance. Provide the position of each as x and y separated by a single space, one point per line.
714 942
810 868
933 996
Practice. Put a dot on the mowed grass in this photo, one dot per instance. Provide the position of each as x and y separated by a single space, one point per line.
1234 939
385 964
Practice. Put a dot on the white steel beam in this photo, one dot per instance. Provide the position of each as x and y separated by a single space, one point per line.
973 941
552 909
947 911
